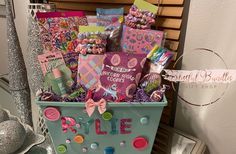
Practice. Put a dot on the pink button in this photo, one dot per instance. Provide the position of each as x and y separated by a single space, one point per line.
51 113
140 143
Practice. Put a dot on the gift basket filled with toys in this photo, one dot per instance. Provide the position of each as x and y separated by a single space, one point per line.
102 79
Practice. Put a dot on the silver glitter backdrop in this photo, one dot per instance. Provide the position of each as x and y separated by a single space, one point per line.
17 71
34 48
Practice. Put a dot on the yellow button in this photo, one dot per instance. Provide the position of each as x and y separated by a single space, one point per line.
79 139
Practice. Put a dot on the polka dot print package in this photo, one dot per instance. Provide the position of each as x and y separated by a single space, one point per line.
120 76
140 41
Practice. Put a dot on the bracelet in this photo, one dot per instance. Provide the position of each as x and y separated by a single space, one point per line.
139 13
135 25
92 50
102 35
92 42
139 19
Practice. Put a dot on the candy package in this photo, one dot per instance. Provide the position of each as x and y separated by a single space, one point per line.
92 20
58 30
120 76
112 20
141 15
140 41
89 70
92 40
71 60
150 82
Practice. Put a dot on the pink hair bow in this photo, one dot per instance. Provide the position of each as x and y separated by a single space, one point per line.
91 105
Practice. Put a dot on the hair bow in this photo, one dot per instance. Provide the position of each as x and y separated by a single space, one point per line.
90 106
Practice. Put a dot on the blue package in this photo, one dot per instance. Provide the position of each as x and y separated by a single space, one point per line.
114 11
111 19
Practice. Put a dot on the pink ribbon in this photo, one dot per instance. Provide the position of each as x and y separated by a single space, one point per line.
91 105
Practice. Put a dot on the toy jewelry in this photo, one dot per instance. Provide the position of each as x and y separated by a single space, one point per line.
92 43
139 19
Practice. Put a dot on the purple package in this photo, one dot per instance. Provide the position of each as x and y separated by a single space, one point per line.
120 76
71 60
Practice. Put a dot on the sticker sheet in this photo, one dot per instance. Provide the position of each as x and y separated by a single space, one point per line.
140 41
58 30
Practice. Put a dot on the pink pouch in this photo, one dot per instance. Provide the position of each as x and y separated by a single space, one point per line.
120 76
58 30
89 70
140 41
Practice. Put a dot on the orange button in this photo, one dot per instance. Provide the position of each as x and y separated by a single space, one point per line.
79 139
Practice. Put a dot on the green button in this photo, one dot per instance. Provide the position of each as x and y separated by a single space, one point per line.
61 148
107 116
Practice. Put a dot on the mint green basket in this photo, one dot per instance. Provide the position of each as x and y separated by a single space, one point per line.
131 130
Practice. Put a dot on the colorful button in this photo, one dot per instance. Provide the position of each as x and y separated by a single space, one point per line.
107 115
51 113
109 150
61 148
94 146
77 125
140 143
84 149
144 120
79 139
68 141
122 144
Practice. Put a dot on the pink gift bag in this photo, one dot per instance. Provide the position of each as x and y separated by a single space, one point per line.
58 30
140 41
89 70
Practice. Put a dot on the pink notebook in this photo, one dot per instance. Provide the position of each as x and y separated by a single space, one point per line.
140 41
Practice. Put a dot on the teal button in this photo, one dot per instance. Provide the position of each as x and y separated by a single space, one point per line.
109 150
94 146
144 120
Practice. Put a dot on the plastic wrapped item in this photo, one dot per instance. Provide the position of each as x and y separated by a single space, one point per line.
120 76
160 58
92 40
150 82
89 70
141 15
92 20
71 60
58 30
49 60
112 19
140 41
157 95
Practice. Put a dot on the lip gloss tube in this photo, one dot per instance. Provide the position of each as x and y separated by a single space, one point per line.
58 78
